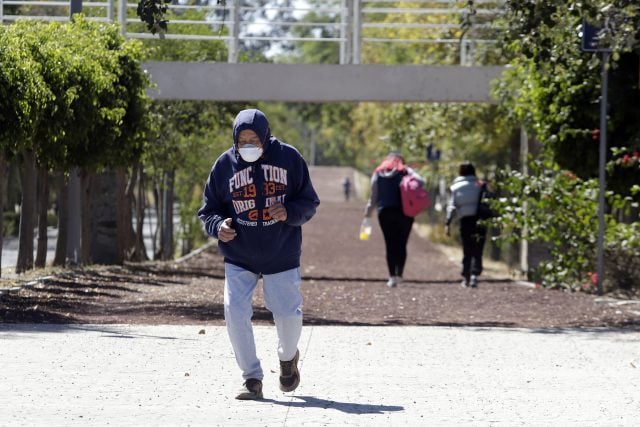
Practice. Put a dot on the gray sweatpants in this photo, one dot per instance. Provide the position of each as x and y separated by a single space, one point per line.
282 297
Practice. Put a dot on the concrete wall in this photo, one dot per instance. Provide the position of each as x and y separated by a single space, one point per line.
320 83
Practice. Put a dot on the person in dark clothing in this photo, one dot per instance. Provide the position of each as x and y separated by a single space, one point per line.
463 203
256 199
346 188
395 225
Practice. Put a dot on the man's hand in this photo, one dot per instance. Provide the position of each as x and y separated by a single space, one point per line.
226 233
278 212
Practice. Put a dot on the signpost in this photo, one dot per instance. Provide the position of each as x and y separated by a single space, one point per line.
75 6
591 43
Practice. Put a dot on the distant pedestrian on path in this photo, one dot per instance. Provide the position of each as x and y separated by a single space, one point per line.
256 199
463 203
395 225
346 188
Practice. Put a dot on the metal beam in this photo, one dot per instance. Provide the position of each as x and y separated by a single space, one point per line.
218 81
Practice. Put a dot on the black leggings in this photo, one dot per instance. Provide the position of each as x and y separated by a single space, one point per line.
396 227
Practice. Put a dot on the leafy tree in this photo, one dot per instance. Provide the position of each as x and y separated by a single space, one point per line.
22 93
111 107
23 98
152 13
553 87
319 131
190 137
95 114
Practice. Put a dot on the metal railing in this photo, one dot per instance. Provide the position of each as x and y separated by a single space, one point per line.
350 23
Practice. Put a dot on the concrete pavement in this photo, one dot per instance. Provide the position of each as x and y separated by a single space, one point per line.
95 375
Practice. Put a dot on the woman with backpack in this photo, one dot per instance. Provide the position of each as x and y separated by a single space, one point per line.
395 224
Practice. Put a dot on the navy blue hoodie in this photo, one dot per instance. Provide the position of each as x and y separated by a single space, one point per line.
242 191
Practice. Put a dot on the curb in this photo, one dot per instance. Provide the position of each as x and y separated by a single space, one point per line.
31 284
196 252
525 283
45 279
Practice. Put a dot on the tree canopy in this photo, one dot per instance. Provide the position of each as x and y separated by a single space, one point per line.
77 96
553 87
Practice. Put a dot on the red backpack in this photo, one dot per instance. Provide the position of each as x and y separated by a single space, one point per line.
414 197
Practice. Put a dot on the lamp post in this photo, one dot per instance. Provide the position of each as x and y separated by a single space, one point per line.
590 43
601 170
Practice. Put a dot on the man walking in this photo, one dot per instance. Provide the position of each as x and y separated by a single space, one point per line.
256 199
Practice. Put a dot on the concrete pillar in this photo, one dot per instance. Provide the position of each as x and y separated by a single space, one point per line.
234 32
110 10
346 31
104 230
74 227
122 16
357 31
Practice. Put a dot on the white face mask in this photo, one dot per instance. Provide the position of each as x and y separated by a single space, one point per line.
250 153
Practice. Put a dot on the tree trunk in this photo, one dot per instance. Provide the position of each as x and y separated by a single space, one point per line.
86 181
167 227
156 241
43 205
140 253
27 208
187 243
63 218
12 196
2 175
125 233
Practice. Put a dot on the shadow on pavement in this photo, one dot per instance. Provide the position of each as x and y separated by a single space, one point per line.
9 329
405 281
346 407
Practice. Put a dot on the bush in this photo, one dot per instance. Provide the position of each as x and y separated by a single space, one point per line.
562 213
622 257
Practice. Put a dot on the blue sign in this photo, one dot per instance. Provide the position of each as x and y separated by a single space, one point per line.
590 40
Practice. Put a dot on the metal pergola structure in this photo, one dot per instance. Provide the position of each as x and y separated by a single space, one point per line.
352 23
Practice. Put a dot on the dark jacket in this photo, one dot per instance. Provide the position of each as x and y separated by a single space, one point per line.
243 191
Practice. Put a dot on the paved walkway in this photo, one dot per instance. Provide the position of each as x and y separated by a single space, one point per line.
135 375
65 375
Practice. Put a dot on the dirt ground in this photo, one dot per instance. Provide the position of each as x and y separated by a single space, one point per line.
344 283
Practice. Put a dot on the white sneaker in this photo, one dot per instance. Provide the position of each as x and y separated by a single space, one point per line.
473 282
394 281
